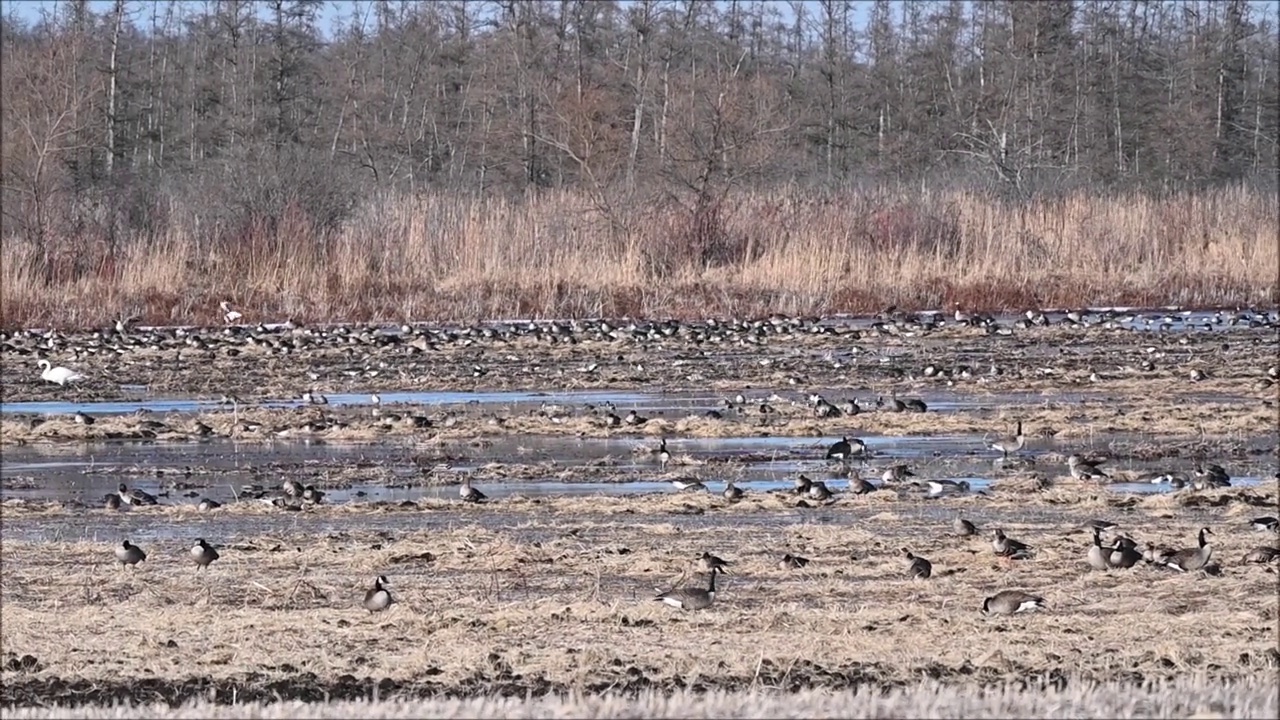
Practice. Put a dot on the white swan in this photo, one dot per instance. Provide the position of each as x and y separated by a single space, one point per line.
229 316
59 375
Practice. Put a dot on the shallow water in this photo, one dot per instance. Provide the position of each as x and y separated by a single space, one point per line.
219 470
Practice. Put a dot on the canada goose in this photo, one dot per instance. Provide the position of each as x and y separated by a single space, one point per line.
938 488
229 316
470 494
691 598
1008 602
1125 554
83 419
894 404
917 567
1007 547
113 501
1265 524
203 553
292 488
1210 475
915 405
664 455
792 562
733 492
59 375
708 562
311 397
688 484
1192 558
802 483
1099 556
963 528
378 597
1012 444
206 505
858 486
612 420
129 554
135 496
634 419
897 473
1261 554
311 495
1157 555
845 449
1083 470
1099 525
818 491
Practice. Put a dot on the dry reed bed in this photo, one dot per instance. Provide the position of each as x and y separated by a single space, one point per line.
449 257
573 608
1195 697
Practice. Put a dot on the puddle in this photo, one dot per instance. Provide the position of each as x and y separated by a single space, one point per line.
219 470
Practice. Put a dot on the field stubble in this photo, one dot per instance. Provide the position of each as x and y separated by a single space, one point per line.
561 602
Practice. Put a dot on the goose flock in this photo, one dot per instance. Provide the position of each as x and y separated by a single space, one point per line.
1122 555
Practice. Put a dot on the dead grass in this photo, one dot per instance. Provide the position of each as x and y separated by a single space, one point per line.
1194 697
565 596
444 257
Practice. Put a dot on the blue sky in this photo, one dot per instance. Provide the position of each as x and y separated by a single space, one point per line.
334 10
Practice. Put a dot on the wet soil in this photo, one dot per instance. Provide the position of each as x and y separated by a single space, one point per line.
285 684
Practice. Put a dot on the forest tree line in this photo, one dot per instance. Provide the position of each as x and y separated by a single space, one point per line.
229 110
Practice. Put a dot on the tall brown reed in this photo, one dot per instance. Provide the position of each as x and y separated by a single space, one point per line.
559 255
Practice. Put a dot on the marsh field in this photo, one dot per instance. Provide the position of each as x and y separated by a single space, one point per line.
539 600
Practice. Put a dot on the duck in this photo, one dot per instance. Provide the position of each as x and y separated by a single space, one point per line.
792 562
1192 558
691 598
1011 444
818 491
1009 602
1099 555
917 567
897 473
1082 469
1125 554
378 597
129 554
135 496
845 449
203 553
859 486
470 494
733 492
963 528
1261 554
708 562
1007 547
58 375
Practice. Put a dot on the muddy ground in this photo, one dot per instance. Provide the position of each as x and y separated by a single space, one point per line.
550 594
557 595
